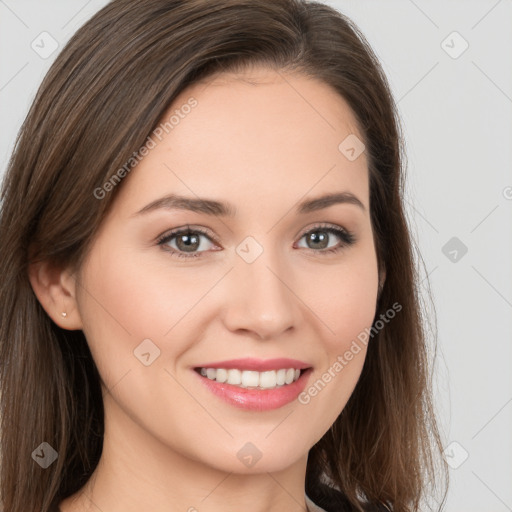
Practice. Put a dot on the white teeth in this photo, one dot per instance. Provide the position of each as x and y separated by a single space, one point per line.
290 375
268 380
222 375
252 379
235 377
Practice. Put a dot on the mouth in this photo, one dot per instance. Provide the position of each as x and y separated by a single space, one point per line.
254 384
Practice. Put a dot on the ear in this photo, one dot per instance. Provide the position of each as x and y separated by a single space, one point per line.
55 288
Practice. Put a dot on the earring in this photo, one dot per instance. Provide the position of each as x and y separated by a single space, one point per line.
64 314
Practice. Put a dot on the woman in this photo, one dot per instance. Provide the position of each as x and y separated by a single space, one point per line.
209 300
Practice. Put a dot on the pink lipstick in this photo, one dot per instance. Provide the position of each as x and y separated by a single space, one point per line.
255 384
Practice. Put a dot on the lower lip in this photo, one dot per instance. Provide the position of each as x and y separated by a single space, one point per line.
257 399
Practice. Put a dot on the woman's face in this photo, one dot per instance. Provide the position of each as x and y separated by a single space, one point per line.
259 287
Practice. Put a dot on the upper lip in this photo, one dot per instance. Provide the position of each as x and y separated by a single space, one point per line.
258 365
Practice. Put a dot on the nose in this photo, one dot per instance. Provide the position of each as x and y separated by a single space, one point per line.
260 298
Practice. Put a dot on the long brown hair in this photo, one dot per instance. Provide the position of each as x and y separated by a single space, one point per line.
100 100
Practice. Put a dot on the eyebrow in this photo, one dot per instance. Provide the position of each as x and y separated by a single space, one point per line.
212 207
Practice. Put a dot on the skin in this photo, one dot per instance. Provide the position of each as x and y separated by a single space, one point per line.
263 141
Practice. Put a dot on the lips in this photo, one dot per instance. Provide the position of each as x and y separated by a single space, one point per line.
255 384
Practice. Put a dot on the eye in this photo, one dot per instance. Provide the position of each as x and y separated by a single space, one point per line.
187 240
319 236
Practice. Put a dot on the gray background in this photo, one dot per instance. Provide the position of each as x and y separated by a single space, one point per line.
456 110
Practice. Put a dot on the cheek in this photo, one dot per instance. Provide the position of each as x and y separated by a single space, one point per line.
344 297
348 310
124 301
353 309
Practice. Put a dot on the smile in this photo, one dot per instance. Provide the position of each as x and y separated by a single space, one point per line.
253 384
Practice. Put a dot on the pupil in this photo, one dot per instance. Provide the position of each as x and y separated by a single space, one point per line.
189 241
316 238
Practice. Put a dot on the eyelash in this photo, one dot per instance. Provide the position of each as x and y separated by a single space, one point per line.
347 238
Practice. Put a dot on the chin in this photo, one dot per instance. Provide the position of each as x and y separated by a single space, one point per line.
257 457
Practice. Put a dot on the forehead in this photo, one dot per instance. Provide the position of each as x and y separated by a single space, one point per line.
278 106
253 136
